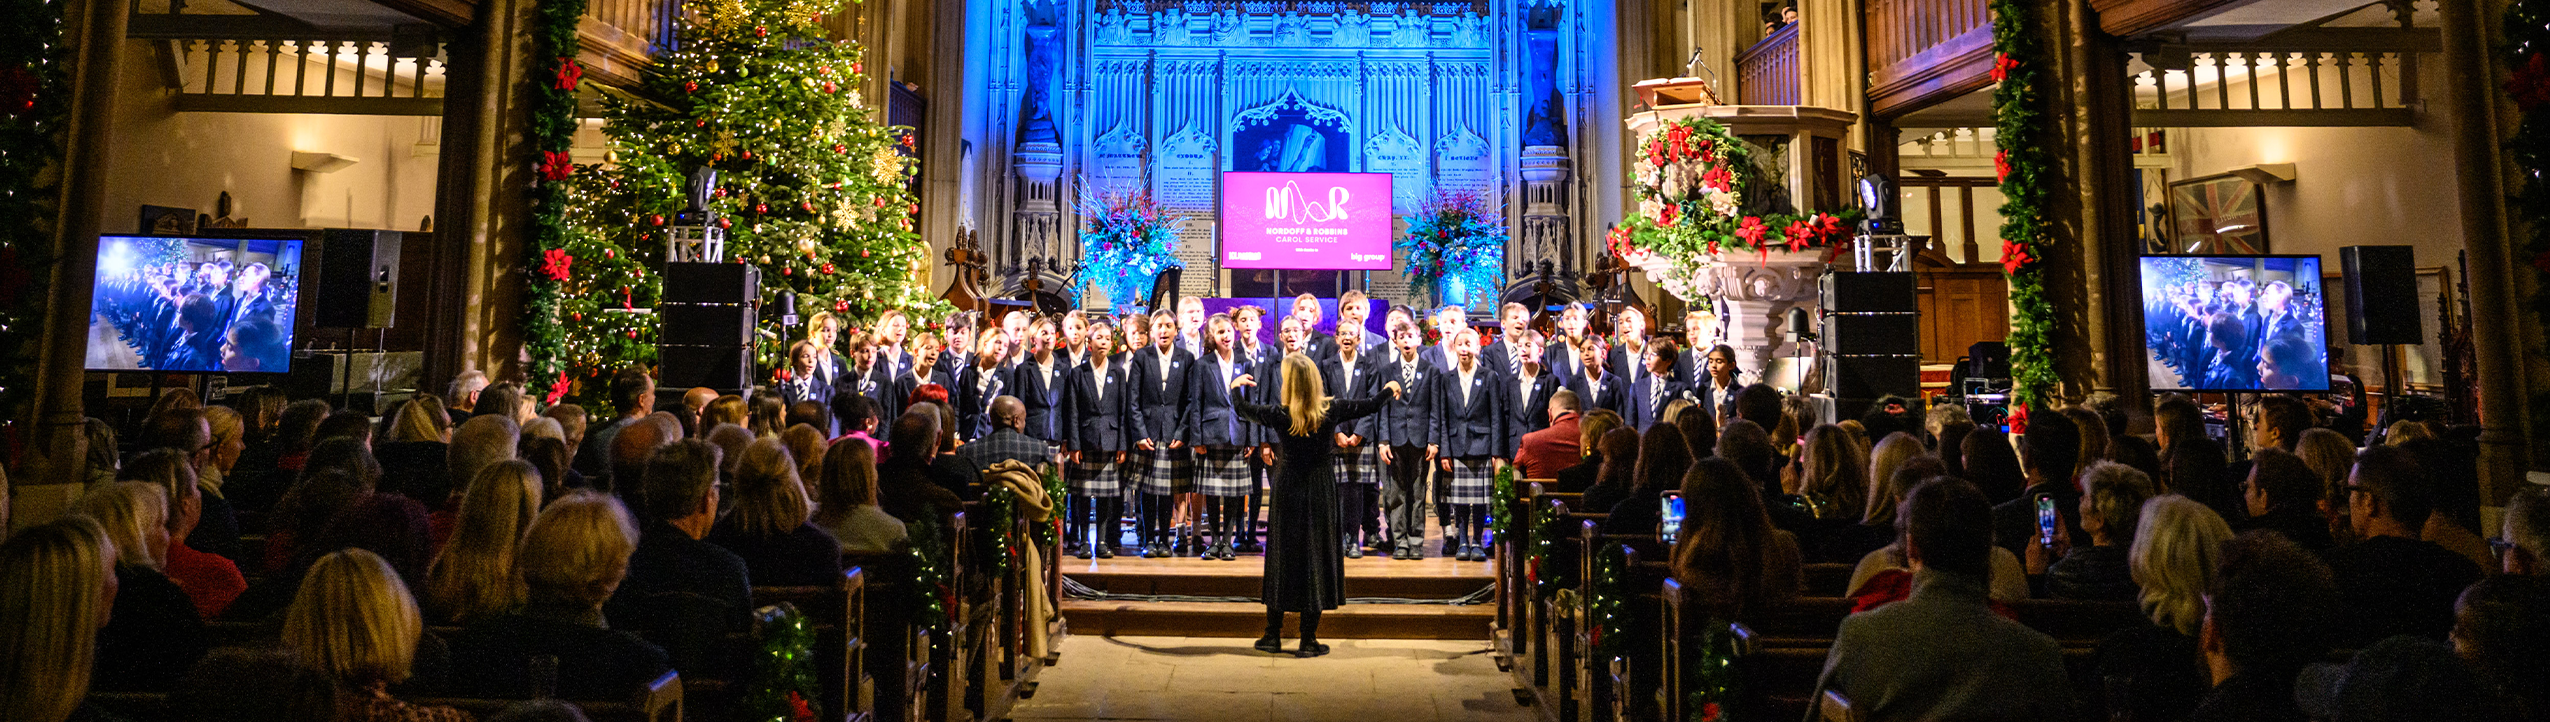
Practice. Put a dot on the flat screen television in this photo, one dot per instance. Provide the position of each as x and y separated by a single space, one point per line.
1306 221
218 305
2235 323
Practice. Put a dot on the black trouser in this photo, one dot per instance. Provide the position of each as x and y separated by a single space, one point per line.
1248 524
1358 514
1310 623
1222 520
1103 514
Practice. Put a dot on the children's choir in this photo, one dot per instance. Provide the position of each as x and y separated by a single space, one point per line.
1141 408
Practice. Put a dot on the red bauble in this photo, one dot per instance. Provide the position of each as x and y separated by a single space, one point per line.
748 155
839 148
725 223
863 253
808 205
854 68
828 87
827 269
788 271
716 157
633 334
690 87
608 253
840 306
719 192
761 208
579 316
761 31
701 123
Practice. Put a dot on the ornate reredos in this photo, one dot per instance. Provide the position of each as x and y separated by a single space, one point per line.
1289 24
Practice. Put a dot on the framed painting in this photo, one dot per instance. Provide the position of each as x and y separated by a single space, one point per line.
2217 215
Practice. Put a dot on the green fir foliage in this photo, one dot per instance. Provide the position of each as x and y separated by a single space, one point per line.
34 103
2027 175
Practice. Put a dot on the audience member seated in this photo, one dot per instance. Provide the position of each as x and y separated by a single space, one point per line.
189 431
633 395
1699 431
574 556
949 469
1884 575
2401 678
390 525
1749 446
806 445
218 530
1729 556
551 458
1662 462
413 450
682 592
485 440
2155 671
2500 626
631 449
339 472
1619 474
347 424
2270 611
572 421
905 487
473 578
2283 496
2194 461
1942 653
1009 440
2111 510
2392 581
152 632
857 418
2053 454
355 622
56 582
1545 452
254 683
1988 460
1762 405
102 460
2093 430
266 471
1828 481
1876 527
846 502
811 414
2331 457
770 526
2137 452
2523 539
1591 428
211 581
731 439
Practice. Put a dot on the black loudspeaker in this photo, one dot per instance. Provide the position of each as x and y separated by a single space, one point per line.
725 368
1872 334
1871 293
722 324
711 283
2381 295
358 279
1869 377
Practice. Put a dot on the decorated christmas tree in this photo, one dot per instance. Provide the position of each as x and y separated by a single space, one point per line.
810 185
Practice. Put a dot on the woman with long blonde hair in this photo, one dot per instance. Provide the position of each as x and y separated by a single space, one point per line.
474 575
56 581
1305 568
2177 546
354 621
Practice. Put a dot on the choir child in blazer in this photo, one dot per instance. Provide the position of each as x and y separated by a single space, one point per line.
800 383
1401 431
1355 309
1699 331
1191 326
1715 382
1075 339
925 371
830 365
1221 442
1447 321
1104 424
1559 356
1038 381
1352 375
1527 393
1594 384
1468 428
862 377
1320 347
1159 451
1629 342
892 357
979 383
1514 320
958 350
1647 395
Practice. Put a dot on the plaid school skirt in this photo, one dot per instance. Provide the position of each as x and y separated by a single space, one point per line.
1100 479
1163 471
1359 465
1225 472
1471 479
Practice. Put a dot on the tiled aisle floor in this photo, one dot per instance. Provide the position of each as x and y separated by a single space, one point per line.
1224 680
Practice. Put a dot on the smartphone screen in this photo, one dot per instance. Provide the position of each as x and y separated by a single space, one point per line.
2046 518
1672 508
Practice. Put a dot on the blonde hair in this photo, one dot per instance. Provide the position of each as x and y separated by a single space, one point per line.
474 575
577 550
727 409
415 423
52 601
2176 547
128 511
848 481
2405 430
1891 453
543 427
769 499
1305 394
169 470
353 620
226 424
2330 456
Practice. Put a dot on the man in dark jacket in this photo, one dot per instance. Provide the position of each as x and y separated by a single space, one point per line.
2393 581
2052 449
682 593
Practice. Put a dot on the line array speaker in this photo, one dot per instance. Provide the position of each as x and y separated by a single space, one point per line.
2389 274
707 314
1876 292
711 283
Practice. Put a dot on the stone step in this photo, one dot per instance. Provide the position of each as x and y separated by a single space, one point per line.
1369 577
1236 619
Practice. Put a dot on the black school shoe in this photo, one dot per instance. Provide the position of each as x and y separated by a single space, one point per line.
1270 644
1354 551
1106 551
1310 649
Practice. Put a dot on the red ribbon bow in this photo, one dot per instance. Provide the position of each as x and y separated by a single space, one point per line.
569 73
2002 66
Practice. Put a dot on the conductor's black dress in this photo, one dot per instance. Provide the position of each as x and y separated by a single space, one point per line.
1305 559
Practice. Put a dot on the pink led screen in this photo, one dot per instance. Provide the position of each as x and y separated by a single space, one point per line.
1306 221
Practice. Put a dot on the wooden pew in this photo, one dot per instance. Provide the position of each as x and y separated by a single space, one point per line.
1512 583
659 701
898 648
1828 580
1556 616
1636 671
838 614
1586 670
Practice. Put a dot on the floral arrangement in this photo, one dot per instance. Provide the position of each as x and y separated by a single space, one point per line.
1127 244
1691 180
1456 245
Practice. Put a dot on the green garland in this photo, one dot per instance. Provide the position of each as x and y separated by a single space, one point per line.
2527 52
34 103
784 678
1709 673
933 599
1606 601
553 127
1544 542
1049 534
2025 136
994 546
1501 502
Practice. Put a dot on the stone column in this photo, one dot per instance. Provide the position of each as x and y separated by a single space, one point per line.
59 449
473 321
2102 105
2472 97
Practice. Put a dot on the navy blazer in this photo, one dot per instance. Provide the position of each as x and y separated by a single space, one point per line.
1499 356
1210 419
1366 384
1611 396
890 364
974 401
899 398
1103 422
1403 421
1158 381
1048 411
1526 414
793 391
1644 407
1471 424
1560 360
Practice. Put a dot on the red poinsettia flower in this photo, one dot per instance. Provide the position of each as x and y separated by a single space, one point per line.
2019 419
1751 230
556 165
557 389
1718 178
2530 83
1709 712
798 709
1829 225
2014 257
555 262
1668 214
785 374
1800 234
2002 66
569 73
17 90
2001 167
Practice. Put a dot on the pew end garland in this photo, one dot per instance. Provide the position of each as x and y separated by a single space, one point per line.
1501 502
1126 242
784 688
1455 241
2025 169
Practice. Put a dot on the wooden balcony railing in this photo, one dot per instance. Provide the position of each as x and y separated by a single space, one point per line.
2312 86
1924 51
1768 73
621 36
346 74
